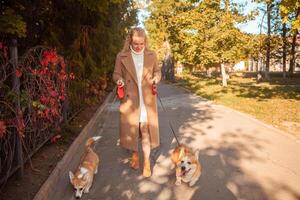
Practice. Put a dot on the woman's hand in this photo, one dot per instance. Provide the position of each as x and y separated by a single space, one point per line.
154 80
120 82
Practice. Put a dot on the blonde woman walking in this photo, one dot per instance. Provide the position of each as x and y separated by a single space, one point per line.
136 70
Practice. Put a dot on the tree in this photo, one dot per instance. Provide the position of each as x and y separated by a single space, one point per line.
12 23
202 34
268 44
196 30
284 48
88 33
290 12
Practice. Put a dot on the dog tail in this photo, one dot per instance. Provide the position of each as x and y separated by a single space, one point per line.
91 141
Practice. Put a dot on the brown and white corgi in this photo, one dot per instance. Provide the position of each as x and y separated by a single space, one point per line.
188 167
83 178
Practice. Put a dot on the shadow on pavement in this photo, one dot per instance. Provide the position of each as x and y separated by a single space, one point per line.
224 157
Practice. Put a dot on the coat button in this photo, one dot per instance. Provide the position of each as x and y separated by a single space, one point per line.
128 81
127 95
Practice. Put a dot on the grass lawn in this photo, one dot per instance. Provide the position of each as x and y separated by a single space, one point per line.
276 103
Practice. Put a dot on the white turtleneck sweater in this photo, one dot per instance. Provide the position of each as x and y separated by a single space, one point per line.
138 59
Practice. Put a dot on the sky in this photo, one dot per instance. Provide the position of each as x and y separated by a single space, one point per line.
254 25
250 27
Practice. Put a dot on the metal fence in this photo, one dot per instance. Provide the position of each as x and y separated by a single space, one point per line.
27 116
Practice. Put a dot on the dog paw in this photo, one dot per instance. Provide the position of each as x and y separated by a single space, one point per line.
178 182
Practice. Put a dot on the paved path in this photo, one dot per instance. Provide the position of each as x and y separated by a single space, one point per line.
242 158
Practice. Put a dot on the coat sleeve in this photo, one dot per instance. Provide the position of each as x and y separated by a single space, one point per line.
118 72
157 69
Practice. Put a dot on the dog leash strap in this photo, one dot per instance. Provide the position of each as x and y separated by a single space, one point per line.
168 120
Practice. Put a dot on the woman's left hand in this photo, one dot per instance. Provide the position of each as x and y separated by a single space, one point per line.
154 80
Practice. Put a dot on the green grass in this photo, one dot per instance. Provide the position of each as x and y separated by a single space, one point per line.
276 103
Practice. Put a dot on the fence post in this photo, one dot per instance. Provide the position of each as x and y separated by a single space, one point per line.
13 51
65 108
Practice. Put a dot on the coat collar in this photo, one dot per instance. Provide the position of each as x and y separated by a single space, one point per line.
127 53
127 60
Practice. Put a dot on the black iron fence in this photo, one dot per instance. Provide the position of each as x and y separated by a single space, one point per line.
33 91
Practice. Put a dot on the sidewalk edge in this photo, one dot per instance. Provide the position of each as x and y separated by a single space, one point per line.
48 185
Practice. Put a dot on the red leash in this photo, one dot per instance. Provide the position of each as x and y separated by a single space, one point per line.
121 92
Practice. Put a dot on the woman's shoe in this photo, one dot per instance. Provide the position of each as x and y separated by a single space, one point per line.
147 170
135 161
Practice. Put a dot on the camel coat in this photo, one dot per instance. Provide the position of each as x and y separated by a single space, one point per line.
129 105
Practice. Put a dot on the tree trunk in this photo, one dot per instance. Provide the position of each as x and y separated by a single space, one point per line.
284 49
249 62
224 76
267 69
292 59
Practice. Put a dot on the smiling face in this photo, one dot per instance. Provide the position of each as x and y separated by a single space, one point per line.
186 165
138 42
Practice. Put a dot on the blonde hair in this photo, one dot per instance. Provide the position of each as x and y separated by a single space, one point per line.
140 32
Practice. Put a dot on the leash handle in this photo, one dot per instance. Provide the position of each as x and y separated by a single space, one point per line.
154 88
120 91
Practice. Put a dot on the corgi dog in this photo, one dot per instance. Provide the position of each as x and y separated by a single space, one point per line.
83 178
188 167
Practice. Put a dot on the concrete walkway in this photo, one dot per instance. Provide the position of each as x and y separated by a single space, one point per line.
242 158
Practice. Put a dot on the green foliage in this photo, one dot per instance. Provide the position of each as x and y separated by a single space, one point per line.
275 102
205 33
11 23
290 12
201 33
88 33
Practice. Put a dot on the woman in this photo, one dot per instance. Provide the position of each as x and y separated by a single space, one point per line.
136 70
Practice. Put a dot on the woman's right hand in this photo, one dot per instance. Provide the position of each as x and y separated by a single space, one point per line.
120 82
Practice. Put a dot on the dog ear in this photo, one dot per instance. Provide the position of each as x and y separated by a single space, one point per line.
71 175
197 152
181 153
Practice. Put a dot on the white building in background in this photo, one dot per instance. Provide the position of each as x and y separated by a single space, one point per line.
239 66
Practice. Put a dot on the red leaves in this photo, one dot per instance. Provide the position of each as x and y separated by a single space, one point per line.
54 139
17 122
54 111
62 75
51 72
62 89
72 76
46 85
62 64
53 93
49 57
61 97
2 129
44 99
18 72
4 49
